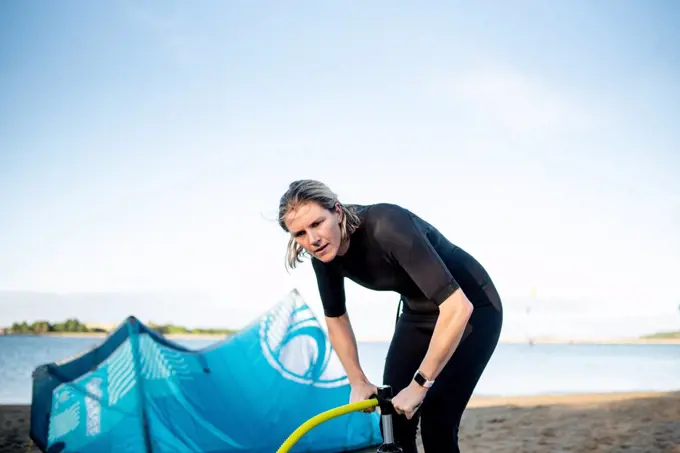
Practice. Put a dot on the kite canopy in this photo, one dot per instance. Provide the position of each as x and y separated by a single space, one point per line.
139 392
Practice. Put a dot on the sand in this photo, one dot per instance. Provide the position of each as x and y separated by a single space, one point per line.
592 423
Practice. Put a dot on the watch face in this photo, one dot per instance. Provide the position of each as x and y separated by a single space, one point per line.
422 380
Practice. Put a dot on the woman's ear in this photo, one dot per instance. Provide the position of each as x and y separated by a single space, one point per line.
339 212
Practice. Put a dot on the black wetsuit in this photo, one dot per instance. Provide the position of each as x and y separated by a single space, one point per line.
395 250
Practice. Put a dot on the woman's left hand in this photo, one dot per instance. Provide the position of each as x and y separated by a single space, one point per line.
409 400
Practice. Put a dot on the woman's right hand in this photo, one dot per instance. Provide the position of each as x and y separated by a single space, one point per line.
362 391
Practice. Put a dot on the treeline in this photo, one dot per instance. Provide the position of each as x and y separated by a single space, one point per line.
75 326
173 329
68 326
662 336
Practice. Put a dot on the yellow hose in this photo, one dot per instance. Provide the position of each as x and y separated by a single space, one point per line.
323 417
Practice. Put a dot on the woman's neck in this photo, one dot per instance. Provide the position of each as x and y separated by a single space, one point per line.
344 247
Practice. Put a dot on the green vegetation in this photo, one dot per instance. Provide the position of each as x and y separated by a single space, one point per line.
662 336
75 326
70 326
166 329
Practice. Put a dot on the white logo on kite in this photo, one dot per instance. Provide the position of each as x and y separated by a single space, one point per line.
295 345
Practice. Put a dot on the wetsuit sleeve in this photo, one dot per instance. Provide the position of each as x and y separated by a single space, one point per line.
406 244
331 285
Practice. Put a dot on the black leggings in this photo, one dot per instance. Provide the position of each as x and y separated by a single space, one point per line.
445 401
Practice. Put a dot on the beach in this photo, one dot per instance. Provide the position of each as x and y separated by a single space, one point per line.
592 423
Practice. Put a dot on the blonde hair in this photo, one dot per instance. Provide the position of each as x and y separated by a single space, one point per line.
305 191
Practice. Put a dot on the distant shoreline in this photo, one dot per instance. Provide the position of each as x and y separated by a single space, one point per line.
593 341
170 336
212 336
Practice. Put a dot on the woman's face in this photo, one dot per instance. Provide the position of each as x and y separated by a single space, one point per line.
316 229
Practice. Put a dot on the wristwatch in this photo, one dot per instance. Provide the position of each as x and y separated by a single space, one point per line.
422 380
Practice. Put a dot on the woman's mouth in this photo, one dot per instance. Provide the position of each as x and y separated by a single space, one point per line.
321 249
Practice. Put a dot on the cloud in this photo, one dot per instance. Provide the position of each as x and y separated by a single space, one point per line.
514 100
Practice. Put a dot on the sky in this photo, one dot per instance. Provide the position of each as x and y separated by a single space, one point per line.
144 148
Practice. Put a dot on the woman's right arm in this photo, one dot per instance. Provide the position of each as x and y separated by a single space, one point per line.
344 342
340 333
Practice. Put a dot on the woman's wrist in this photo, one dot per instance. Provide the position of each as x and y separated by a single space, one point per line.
417 387
357 378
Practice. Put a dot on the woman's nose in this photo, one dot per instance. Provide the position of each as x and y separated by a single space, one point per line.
313 237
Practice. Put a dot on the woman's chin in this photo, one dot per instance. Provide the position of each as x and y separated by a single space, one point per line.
326 254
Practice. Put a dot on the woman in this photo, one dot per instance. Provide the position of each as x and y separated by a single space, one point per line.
452 313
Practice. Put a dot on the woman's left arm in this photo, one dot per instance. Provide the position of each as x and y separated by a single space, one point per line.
454 314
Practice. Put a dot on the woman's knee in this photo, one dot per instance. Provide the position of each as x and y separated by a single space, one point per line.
439 431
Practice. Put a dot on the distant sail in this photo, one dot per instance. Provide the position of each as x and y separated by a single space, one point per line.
140 392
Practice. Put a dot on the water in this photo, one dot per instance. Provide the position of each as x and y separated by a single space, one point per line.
515 369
